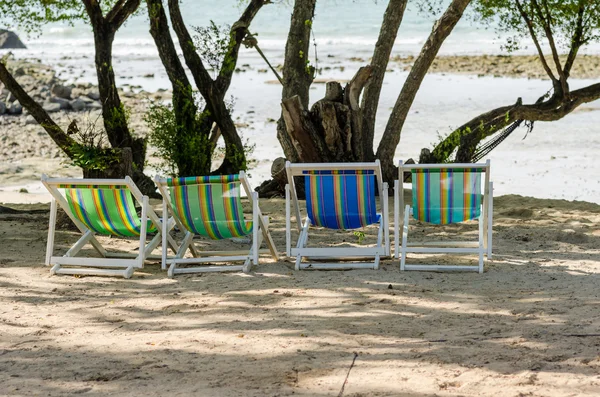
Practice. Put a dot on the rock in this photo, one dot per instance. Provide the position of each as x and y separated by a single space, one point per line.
94 94
51 107
15 108
78 104
61 91
10 97
64 103
30 120
2 108
94 105
9 39
19 72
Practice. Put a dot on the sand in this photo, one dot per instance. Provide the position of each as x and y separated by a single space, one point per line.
528 326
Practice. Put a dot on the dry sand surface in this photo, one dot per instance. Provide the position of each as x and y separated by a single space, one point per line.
528 326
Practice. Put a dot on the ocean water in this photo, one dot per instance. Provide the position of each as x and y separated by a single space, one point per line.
557 160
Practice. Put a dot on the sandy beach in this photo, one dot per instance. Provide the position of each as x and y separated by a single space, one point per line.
528 326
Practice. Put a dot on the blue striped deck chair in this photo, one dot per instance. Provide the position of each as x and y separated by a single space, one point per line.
211 207
443 194
103 207
339 196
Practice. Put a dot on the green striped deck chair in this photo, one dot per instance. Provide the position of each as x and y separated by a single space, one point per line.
443 194
339 196
211 207
102 207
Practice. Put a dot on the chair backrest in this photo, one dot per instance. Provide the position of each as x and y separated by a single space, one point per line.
339 195
104 206
209 205
444 194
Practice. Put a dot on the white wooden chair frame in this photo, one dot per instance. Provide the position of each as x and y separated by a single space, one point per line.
202 257
110 263
483 246
382 248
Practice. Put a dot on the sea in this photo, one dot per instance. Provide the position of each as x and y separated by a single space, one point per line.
556 160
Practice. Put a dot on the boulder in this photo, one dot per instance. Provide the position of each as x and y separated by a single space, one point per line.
50 107
2 108
64 103
78 104
61 91
30 120
15 108
9 39
94 94
94 105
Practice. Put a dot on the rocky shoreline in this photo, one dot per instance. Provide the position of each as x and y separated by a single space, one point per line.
22 139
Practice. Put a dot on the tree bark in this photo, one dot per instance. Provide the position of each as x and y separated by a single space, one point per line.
297 74
381 57
391 136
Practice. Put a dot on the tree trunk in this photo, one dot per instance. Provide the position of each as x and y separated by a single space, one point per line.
466 138
391 136
113 111
381 56
297 74
186 112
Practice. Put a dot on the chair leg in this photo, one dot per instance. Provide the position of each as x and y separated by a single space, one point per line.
396 219
404 237
51 230
302 239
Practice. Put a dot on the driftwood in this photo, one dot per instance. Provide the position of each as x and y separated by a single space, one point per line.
331 131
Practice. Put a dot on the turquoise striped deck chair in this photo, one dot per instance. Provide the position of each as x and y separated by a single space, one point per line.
339 197
443 194
102 207
211 207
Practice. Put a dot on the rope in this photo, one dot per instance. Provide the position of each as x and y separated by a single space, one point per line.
485 149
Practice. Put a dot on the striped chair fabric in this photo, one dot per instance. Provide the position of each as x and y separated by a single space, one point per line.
210 206
105 209
343 199
444 195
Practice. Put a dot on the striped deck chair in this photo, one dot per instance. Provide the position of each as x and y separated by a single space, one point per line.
102 207
443 194
211 207
339 196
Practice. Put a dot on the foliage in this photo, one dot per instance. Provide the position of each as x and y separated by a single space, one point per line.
91 150
30 16
213 43
178 148
559 16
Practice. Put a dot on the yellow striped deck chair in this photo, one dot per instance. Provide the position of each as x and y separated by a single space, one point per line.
211 207
339 196
443 194
102 207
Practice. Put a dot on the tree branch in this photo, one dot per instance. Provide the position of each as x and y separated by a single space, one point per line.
201 76
487 124
236 35
120 12
92 7
65 142
576 41
536 42
545 20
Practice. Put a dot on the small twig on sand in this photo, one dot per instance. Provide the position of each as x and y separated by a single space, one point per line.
348 374
581 335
